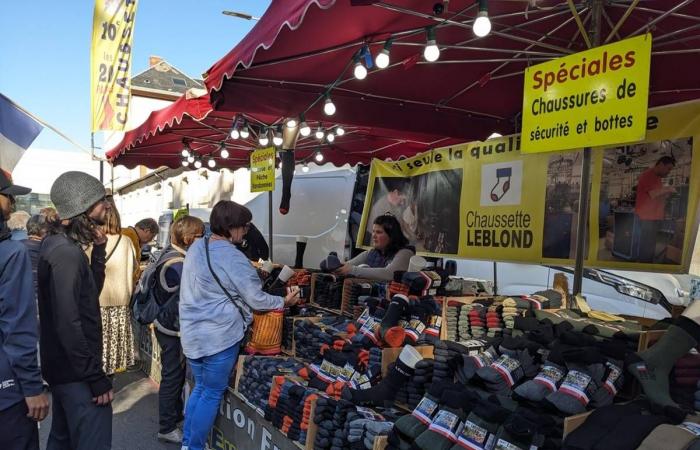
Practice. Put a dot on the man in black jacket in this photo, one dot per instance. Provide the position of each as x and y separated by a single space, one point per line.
71 325
22 398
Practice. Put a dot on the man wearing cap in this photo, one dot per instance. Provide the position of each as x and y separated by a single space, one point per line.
71 326
22 398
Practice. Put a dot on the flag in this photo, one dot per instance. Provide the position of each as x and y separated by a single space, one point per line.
17 132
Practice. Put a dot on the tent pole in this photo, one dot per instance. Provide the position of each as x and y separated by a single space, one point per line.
584 203
269 224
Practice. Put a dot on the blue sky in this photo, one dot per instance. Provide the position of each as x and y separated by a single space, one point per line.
45 52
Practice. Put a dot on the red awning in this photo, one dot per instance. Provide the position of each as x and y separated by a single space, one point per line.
158 141
301 47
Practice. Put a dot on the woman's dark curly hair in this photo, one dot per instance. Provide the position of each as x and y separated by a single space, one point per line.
392 227
80 229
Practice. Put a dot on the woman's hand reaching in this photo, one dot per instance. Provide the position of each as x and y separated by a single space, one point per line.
293 297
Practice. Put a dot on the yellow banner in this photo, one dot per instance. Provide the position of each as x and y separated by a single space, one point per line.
262 170
588 99
110 63
487 200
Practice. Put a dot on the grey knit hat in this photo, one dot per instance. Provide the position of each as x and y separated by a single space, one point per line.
73 193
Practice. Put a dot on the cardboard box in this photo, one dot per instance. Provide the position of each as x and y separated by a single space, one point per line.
389 355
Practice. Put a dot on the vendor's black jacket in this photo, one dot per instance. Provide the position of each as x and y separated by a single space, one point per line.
69 309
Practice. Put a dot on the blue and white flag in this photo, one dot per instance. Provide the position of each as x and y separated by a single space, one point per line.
17 132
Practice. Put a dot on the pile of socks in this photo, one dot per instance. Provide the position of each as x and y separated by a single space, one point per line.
518 360
477 320
412 392
258 371
452 417
463 323
549 299
510 312
686 371
494 324
362 432
356 290
452 316
328 291
619 427
323 417
289 408
308 339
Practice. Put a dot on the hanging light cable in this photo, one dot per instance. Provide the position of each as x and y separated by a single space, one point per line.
382 60
318 156
235 134
186 150
319 133
359 71
482 24
431 52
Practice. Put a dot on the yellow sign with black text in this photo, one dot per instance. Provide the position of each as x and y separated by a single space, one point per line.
488 200
262 170
110 63
588 99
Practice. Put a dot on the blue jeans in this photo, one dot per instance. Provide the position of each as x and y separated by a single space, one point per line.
211 375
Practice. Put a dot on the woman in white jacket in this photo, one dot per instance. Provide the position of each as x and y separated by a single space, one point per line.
117 333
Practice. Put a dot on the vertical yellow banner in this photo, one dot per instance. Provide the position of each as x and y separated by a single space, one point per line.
110 63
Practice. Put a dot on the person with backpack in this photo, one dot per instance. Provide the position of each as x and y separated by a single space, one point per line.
219 290
166 293
120 267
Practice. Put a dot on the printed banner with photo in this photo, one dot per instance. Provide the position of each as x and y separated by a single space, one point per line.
486 200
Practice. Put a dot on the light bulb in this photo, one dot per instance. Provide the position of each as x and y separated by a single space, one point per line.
224 153
190 158
329 107
330 137
304 129
320 134
382 59
211 163
185 153
494 135
304 168
277 138
198 164
235 134
482 24
291 123
185 163
318 156
245 133
360 71
431 53
340 131
263 140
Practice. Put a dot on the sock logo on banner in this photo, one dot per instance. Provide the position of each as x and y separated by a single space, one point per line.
550 376
575 384
505 445
475 437
425 410
613 376
446 424
483 360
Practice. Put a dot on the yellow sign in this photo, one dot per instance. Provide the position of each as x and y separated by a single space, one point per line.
110 63
593 98
262 170
524 208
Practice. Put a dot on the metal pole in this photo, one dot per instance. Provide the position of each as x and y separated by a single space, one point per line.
269 224
495 278
584 203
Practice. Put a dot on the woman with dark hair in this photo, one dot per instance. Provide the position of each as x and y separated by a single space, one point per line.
219 290
391 252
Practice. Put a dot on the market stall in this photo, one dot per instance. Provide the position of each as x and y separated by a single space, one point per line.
430 360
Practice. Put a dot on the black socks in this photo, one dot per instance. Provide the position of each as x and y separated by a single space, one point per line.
287 158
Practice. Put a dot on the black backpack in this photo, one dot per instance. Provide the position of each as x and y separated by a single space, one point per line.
145 305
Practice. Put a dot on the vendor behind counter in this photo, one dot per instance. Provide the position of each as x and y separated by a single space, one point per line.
391 253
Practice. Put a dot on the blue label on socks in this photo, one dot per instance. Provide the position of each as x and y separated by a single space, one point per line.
447 424
425 410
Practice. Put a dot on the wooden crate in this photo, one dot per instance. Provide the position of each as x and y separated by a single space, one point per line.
239 369
292 350
312 297
571 423
347 286
313 428
380 443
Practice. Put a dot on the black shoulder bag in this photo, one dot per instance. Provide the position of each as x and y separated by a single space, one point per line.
239 307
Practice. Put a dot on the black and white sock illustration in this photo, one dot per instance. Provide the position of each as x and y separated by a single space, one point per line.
502 184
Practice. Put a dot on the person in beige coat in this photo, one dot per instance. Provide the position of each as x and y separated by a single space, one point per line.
117 333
